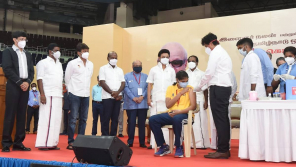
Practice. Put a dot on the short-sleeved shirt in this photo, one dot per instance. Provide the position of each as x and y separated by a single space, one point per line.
283 69
183 102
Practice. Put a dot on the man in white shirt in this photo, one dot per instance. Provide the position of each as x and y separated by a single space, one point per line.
218 77
77 77
113 82
251 77
213 127
200 126
50 85
160 77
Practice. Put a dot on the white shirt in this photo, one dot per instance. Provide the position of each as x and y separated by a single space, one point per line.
161 79
113 77
234 86
251 73
22 61
78 77
51 73
194 81
219 69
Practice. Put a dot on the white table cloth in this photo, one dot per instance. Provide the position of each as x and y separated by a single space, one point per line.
268 130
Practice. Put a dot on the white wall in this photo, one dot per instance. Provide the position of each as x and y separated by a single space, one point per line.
19 20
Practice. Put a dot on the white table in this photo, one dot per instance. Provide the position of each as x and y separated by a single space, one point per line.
268 130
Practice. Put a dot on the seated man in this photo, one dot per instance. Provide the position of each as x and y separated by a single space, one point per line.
180 98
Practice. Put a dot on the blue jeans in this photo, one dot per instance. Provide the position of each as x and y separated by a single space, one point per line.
78 105
159 120
97 110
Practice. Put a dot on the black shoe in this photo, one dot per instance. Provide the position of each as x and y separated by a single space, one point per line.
120 135
64 133
5 149
20 148
143 146
70 147
43 149
150 147
55 148
130 145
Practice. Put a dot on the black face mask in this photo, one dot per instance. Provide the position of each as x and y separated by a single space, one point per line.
137 69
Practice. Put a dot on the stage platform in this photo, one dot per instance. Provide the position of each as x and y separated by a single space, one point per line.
141 157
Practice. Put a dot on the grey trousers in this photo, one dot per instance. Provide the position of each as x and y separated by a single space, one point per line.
120 119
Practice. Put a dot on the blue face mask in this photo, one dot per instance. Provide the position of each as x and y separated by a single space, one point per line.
183 84
137 69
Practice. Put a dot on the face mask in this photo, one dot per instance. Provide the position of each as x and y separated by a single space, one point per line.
191 65
34 88
183 84
85 55
57 54
208 50
21 44
137 69
113 62
242 52
290 60
164 61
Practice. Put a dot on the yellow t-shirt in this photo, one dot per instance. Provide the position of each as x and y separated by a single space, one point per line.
183 102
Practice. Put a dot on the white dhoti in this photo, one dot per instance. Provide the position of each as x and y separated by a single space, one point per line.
200 128
214 138
159 106
49 123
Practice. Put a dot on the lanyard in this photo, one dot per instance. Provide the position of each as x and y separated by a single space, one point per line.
178 99
34 94
136 78
290 68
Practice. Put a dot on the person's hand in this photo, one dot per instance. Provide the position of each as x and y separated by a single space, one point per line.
288 77
118 98
24 86
149 102
140 99
206 105
198 89
43 99
37 106
276 77
173 113
234 97
269 89
69 112
185 90
115 94
135 99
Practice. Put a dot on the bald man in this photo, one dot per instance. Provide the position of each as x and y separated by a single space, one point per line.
178 55
135 102
112 82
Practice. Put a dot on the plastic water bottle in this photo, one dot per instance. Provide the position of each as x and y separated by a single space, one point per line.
269 96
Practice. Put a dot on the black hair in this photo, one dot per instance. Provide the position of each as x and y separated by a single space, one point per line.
112 52
279 59
98 77
240 42
163 51
247 41
51 46
269 54
196 58
17 34
210 37
81 46
181 75
33 84
291 49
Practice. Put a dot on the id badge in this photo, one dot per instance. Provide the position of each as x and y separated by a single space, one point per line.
140 93
35 99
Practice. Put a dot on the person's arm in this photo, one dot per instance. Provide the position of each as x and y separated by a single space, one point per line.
150 81
269 69
127 91
31 68
210 71
8 69
102 81
234 85
206 103
254 63
29 99
40 75
68 74
274 83
192 97
93 93
145 90
171 102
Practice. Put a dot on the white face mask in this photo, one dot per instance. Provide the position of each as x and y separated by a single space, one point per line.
34 88
85 55
208 50
113 62
57 54
164 61
242 52
191 65
21 44
290 60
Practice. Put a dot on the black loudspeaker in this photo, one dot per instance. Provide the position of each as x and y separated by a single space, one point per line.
43 165
101 150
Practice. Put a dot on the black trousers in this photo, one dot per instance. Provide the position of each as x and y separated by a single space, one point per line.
111 108
219 101
65 121
16 102
132 118
30 113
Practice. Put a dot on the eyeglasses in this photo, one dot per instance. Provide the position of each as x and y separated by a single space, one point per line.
177 63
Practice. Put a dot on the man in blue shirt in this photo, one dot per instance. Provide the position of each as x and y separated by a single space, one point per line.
135 102
266 66
97 106
33 108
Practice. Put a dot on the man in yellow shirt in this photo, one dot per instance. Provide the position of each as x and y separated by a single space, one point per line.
180 98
